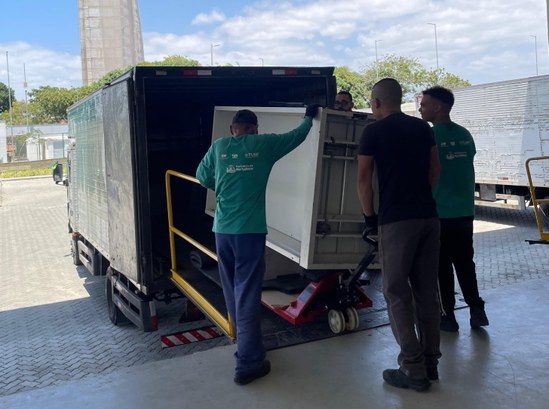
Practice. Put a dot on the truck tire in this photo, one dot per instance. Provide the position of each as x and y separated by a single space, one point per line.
74 251
115 315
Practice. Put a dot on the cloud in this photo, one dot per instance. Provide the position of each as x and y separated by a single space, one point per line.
478 40
41 66
214 16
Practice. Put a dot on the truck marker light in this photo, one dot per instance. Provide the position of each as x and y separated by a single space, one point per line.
197 72
284 72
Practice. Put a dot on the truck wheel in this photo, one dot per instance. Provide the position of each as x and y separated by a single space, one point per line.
74 251
115 315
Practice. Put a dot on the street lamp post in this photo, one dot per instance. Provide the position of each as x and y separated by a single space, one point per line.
262 62
212 52
377 62
26 99
536 50
9 106
436 41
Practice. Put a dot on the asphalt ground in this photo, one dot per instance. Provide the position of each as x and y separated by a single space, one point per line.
54 325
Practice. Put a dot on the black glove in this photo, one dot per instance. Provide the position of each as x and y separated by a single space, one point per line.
311 110
370 226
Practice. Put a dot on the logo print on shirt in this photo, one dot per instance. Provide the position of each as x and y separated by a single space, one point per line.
234 156
251 155
231 169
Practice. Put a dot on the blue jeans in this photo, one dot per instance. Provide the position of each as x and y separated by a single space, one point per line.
241 262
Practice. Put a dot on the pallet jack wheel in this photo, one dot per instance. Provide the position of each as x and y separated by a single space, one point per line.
351 319
336 321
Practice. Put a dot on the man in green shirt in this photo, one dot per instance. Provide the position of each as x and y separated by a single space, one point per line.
237 168
455 198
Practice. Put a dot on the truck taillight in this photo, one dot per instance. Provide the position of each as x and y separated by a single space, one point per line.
197 72
285 72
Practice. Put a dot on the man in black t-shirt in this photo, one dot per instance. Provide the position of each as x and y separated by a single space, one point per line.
405 154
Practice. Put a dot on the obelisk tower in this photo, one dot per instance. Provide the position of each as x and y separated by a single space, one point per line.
110 36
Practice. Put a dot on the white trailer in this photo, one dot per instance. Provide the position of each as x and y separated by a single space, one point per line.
509 121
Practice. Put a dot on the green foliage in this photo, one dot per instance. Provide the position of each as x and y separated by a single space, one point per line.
52 103
353 82
5 97
173 61
24 173
18 113
411 74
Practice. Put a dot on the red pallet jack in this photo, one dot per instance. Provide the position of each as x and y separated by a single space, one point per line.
337 293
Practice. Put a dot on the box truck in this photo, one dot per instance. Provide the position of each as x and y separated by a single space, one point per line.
154 120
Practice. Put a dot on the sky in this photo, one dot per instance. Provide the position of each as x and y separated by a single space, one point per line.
478 40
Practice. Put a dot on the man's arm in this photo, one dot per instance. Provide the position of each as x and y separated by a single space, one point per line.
434 167
205 173
364 183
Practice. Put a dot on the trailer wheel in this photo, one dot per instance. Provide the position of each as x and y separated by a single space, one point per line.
336 321
351 319
74 251
115 315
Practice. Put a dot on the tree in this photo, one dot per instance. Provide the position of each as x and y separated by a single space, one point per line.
5 97
173 61
411 74
52 103
353 82
19 113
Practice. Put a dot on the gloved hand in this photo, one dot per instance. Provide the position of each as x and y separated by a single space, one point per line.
370 226
311 110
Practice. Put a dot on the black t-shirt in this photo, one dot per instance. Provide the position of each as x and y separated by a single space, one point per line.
401 147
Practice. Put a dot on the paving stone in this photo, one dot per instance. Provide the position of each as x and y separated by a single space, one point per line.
53 314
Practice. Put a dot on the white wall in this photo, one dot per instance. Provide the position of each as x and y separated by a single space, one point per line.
3 143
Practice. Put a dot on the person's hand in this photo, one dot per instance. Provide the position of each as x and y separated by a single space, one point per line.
370 226
311 110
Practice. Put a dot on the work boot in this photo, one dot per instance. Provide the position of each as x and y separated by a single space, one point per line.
263 370
478 316
432 373
398 379
448 323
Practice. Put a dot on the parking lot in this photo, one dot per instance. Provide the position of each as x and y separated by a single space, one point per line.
53 314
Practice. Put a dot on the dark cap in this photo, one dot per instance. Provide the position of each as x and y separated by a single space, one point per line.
245 116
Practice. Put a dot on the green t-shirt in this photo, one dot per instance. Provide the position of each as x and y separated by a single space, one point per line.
455 191
238 169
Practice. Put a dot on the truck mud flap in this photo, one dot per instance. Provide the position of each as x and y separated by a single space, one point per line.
139 311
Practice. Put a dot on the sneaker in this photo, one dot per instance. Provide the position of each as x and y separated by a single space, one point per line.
398 379
478 317
432 373
448 323
263 370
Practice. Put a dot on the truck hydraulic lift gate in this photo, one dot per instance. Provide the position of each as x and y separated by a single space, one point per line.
224 323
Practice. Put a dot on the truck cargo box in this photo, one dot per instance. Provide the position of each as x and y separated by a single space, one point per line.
129 133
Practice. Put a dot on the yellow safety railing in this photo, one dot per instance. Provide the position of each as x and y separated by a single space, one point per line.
544 235
224 323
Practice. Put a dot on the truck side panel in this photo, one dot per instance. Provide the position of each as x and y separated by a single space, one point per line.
120 176
510 123
91 220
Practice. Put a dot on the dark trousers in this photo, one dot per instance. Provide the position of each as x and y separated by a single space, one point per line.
456 252
241 262
409 263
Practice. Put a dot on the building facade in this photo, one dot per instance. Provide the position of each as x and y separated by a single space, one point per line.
110 37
